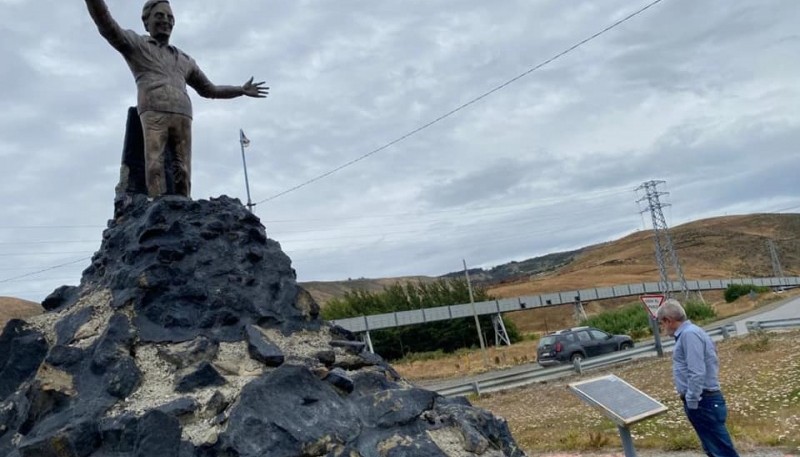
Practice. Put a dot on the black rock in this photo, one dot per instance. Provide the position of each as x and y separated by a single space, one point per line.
119 434
152 259
74 440
339 378
113 344
66 327
13 413
395 407
261 349
63 297
179 407
64 356
285 410
122 378
342 332
217 404
42 403
204 375
201 349
328 358
22 350
353 347
186 278
159 435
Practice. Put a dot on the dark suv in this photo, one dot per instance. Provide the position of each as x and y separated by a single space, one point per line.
577 344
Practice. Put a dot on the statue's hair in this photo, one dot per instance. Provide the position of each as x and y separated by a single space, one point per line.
148 7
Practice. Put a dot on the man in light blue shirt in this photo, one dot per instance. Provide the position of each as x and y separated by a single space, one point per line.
695 370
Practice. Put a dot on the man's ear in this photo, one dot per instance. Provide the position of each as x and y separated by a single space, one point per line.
146 29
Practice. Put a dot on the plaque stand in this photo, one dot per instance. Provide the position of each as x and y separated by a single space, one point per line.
627 441
619 401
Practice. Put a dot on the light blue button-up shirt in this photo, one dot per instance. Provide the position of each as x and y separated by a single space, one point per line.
695 365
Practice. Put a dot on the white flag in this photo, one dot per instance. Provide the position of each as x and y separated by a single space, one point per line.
245 141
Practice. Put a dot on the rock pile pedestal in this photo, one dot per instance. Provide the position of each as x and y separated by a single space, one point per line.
189 337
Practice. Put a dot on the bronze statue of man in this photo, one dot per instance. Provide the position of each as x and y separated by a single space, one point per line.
162 72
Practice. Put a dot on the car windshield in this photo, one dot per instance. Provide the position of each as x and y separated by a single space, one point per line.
547 340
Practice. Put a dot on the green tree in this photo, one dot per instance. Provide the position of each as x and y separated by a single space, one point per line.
447 336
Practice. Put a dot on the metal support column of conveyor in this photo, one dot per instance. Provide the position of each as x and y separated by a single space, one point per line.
368 340
500 334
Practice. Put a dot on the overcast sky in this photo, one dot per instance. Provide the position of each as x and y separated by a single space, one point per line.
703 94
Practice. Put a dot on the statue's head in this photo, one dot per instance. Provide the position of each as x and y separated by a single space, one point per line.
158 19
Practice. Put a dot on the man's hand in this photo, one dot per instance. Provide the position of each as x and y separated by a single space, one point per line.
255 89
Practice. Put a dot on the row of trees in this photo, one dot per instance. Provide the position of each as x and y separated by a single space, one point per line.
394 343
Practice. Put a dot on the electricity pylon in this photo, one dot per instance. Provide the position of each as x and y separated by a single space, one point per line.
665 250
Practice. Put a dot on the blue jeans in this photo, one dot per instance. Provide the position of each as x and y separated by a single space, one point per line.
708 421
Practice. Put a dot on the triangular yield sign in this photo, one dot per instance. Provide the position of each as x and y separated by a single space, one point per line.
652 302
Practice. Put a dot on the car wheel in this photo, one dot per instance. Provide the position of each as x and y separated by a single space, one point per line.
625 346
576 357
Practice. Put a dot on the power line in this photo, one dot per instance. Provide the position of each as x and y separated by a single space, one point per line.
44 270
786 209
459 212
471 210
465 105
15 227
48 242
33 254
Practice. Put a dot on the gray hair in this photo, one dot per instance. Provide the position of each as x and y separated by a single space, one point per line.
148 8
672 309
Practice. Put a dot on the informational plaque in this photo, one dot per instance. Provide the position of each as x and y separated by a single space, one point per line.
618 400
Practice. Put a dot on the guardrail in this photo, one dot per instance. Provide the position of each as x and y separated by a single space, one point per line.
773 324
536 373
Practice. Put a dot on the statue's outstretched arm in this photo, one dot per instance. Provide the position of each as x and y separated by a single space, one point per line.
200 82
107 26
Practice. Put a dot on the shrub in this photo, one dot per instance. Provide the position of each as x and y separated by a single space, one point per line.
631 320
734 291
699 312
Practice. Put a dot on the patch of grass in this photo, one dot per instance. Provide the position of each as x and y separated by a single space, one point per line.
684 441
596 441
762 390
421 356
759 342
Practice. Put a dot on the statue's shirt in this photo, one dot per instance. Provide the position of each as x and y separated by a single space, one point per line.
161 73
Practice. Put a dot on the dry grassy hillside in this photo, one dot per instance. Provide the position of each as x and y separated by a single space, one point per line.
14 308
723 247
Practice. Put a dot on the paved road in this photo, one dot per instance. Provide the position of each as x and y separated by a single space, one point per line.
783 309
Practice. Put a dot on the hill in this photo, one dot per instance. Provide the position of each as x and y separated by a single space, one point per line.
722 247
14 308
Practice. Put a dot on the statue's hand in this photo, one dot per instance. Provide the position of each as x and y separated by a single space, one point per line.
256 90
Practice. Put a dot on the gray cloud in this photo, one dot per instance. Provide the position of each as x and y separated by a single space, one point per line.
700 94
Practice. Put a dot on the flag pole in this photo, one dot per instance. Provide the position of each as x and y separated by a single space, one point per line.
250 204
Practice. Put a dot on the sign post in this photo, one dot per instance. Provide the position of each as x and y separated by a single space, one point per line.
651 304
619 401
